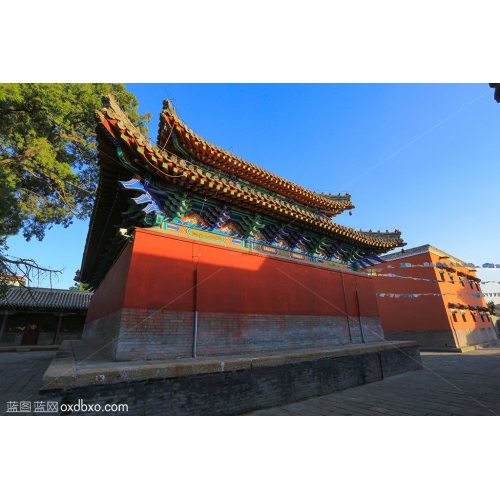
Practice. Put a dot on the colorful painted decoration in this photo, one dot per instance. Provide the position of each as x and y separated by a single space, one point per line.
145 198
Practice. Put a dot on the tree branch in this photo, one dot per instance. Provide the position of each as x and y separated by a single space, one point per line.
11 267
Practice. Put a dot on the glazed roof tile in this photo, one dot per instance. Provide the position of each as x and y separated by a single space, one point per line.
215 156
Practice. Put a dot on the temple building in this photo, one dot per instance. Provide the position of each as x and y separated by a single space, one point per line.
193 250
220 288
427 295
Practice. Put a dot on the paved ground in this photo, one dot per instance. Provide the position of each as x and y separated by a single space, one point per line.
20 376
450 384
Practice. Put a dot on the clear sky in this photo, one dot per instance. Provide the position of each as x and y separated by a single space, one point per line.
421 158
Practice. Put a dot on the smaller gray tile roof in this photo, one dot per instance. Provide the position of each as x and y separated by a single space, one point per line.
19 297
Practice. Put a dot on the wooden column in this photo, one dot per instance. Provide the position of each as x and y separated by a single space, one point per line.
4 323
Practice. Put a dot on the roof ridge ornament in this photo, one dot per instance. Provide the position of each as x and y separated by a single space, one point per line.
113 110
169 107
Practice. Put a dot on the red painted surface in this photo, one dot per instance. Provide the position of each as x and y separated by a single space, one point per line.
109 297
426 312
160 276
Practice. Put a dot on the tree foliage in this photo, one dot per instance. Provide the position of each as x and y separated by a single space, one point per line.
48 153
79 287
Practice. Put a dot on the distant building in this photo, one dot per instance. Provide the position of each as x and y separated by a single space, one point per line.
13 280
42 316
433 298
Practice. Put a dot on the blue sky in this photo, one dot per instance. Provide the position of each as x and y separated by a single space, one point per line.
421 158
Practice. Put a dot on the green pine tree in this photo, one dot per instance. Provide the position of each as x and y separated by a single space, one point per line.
48 158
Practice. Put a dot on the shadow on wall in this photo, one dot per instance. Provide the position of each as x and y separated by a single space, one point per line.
232 282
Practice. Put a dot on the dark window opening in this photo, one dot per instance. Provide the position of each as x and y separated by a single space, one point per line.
72 323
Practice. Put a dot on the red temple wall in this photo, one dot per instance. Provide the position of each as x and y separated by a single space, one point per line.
229 281
246 302
110 296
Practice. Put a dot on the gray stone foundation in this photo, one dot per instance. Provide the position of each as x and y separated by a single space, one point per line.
223 385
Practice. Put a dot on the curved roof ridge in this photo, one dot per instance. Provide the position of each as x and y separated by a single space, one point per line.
326 199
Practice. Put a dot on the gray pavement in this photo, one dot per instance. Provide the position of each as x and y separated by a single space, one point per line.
449 384
20 377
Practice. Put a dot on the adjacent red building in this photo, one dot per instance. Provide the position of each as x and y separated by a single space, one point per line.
427 295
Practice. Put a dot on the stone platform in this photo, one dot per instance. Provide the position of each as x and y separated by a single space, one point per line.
468 348
218 385
466 384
